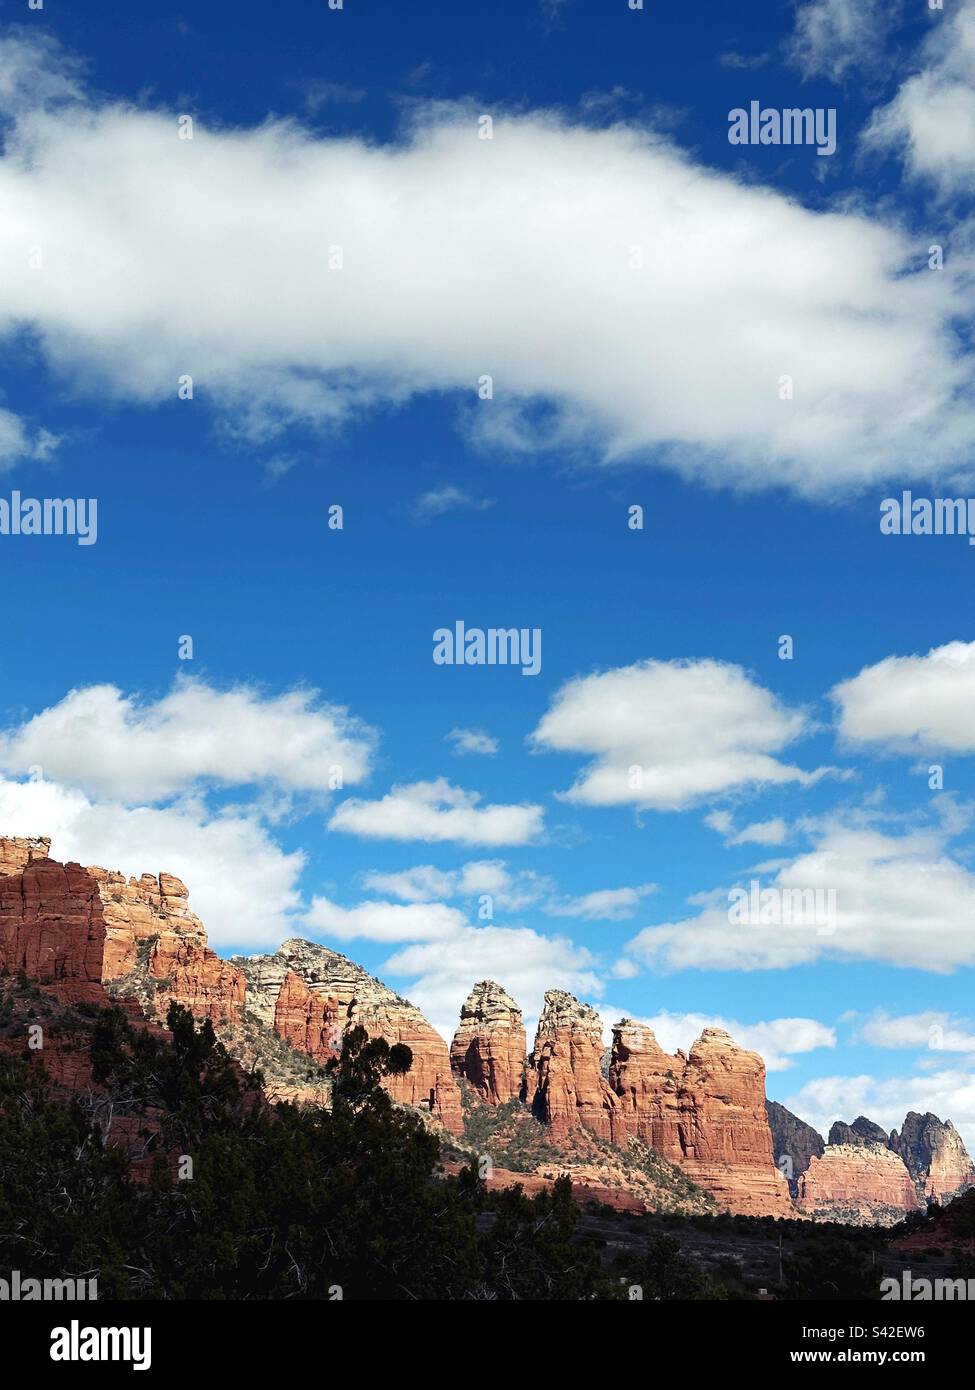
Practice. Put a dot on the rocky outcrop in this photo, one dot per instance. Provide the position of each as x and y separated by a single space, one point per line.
861 1131
489 1047
794 1142
858 1182
705 1111
156 949
934 1155
346 996
51 922
564 1083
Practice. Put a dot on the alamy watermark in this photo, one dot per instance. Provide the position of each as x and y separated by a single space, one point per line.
793 125
923 1290
908 515
493 646
50 516
21 1289
756 906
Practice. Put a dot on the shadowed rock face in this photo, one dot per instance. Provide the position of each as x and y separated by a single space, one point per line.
52 924
564 1083
326 995
861 1131
489 1047
794 1142
934 1154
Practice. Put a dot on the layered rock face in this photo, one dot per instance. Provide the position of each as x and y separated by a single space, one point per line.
564 1083
340 995
156 948
794 1143
489 1047
858 1182
935 1156
704 1111
51 922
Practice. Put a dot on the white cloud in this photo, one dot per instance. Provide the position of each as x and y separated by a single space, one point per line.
602 905
667 734
473 741
18 444
949 1094
777 1040
445 499
437 811
242 885
764 832
447 266
524 962
902 900
377 921
832 38
931 121
510 889
934 1029
114 745
912 704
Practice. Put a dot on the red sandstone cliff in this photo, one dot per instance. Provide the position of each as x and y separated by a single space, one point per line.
489 1047
858 1182
339 995
564 1083
705 1111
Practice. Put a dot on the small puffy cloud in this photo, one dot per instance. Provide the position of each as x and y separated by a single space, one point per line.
930 122
667 734
603 905
438 811
932 1029
833 38
765 832
114 745
473 741
912 704
858 894
243 886
445 499
510 889
390 922
19 444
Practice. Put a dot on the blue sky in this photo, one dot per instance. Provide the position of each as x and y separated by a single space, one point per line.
657 385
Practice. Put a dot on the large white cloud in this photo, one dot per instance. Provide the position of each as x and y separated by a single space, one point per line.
949 1094
242 885
934 1029
931 120
655 302
379 921
913 703
114 745
438 811
776 1040
899 899
666 734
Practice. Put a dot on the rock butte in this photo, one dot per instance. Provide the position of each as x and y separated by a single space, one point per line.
489 1047
858 1181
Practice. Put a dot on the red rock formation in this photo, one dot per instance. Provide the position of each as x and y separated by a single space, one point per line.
359 999
564 1082
17 852
157 948
51 922
935 1156
489 1047
308 1020
705 1111
858 1182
